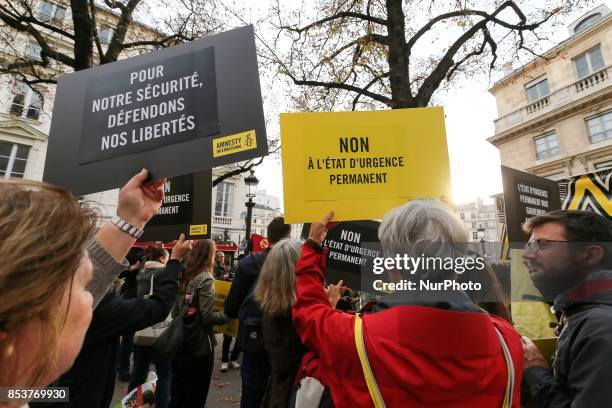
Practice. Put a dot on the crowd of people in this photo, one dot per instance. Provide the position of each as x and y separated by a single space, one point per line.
304 341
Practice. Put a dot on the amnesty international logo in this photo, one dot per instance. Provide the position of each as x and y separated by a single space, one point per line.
239 142
589 192
248 141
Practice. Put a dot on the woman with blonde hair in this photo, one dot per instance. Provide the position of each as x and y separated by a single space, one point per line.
192 366
275 292
54 272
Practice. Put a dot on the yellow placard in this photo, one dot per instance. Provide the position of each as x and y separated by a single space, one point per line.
362 164
200 229
239 142
222 289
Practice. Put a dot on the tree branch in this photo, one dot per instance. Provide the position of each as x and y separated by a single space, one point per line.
94 28
241 169
40 39
336 85
368 85
116 44
30 19
83 35
446 64
342 14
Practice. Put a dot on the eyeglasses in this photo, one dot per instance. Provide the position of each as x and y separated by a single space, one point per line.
538 244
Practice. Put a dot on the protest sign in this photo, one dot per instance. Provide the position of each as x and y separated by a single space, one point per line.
590 192
222 289
348 252
176 111
186 209
361 164
526 196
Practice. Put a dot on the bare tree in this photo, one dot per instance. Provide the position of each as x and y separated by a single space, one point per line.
397 53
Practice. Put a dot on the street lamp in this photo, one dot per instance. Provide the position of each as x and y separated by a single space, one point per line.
481 236
251 182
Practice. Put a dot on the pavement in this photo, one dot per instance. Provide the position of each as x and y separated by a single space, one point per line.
225 388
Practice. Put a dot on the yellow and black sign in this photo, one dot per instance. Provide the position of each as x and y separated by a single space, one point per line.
201 229
239 142
589 192
222 289
362 164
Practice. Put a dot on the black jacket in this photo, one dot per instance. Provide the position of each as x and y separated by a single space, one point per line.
245 278
285 350
582 366
92 377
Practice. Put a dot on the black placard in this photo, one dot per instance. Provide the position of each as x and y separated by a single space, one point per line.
526 196
228 103
347 252
186 209
150 106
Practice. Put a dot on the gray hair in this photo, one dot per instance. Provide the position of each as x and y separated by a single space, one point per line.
275 288
423 226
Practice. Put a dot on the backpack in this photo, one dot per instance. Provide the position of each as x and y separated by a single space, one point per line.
250 318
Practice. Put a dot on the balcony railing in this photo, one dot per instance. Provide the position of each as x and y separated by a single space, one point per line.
579 89
222 220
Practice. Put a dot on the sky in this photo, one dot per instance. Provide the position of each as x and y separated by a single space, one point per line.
470 112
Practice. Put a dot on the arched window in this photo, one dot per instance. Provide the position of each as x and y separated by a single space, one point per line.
587 22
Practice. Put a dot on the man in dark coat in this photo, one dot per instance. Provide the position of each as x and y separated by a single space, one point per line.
569 256
255 369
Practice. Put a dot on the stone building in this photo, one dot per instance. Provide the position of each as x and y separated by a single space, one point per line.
555 113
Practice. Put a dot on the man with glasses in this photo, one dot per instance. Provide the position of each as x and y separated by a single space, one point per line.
569 257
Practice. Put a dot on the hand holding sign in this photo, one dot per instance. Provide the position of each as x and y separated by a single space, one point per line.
139 201
532 355
181 248
318 230
333 293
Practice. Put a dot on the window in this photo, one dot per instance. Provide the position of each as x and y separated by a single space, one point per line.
537 90
546 146
32 51
26 102
475 235
50 13
105 35
473 215
473 225
13 159
223 203
589 62
462 215
600 127
603 165
587 22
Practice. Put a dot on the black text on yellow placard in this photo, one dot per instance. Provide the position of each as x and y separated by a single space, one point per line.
239 142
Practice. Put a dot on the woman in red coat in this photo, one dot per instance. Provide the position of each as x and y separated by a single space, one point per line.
423 350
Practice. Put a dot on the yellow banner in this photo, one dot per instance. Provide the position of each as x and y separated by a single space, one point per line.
200 229
239 142
362 164
222 289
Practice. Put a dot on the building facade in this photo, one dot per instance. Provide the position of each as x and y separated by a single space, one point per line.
229 199
477 215
555 113
484 225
